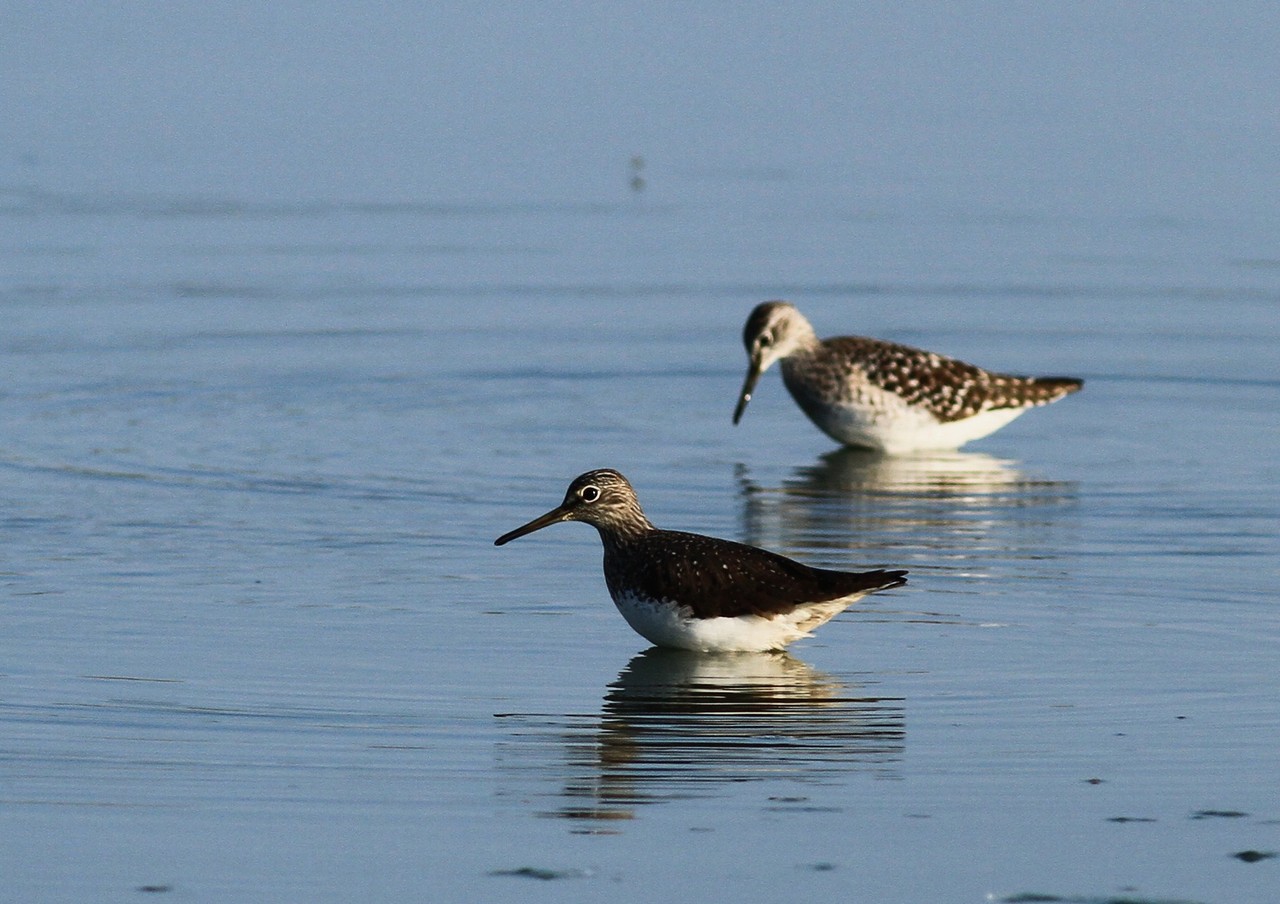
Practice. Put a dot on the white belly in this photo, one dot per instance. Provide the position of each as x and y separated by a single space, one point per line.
669 626
880 420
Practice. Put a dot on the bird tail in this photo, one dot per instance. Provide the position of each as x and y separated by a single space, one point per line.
1049 389
884 580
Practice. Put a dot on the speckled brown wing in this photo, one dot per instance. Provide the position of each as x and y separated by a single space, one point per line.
952 390
721 578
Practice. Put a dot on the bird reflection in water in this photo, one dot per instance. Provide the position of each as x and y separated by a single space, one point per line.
944 506
677 724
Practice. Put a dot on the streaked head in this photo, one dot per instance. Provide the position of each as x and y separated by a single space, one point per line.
774 330
602 498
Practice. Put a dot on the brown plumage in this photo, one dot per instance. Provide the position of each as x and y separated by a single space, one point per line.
883 395
951 389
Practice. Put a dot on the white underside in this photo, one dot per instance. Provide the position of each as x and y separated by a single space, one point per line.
882 421
670 626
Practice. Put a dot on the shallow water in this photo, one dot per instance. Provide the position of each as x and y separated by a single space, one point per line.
257 643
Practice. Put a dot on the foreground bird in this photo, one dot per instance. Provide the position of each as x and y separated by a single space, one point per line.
884 396
698 593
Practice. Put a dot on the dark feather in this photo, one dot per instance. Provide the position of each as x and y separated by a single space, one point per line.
716 577
951 389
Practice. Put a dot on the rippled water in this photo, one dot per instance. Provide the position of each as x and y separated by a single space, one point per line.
257 644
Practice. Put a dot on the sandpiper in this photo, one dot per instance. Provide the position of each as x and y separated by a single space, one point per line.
884 396
699 593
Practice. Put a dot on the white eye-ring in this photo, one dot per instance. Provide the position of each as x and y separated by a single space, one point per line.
589 494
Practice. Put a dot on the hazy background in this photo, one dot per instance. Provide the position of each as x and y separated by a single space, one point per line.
1022 106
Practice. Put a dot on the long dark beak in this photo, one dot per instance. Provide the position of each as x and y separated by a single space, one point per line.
748 386
555 516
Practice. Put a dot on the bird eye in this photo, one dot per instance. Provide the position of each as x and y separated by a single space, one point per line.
589 494
765 340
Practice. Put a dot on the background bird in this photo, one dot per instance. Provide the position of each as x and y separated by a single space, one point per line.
885 396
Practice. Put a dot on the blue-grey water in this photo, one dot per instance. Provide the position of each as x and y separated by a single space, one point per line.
256 643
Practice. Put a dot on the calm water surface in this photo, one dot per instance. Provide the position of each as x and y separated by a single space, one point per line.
256 643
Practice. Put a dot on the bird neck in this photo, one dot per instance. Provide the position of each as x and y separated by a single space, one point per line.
621 532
